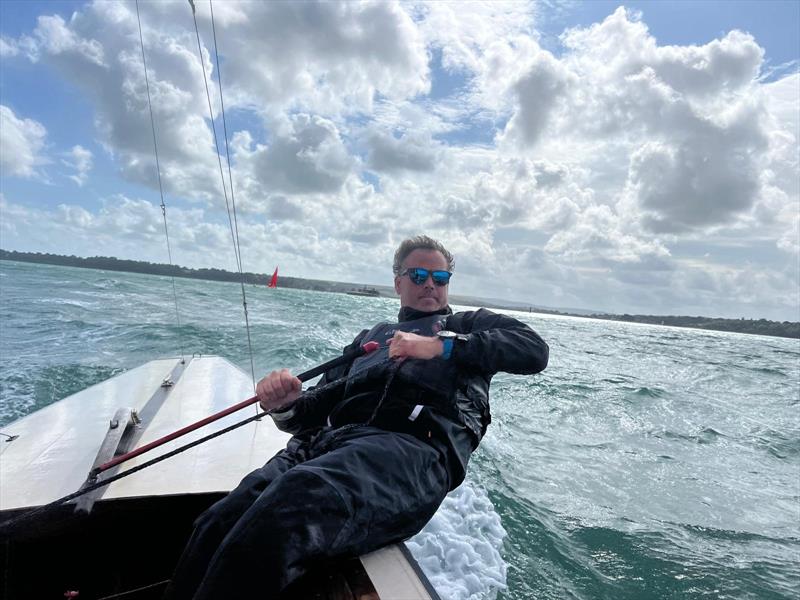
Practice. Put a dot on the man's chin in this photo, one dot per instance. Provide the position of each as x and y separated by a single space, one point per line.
428 304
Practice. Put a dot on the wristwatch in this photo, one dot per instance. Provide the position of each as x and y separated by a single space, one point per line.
448 339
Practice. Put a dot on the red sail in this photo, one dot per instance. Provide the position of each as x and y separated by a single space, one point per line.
273 283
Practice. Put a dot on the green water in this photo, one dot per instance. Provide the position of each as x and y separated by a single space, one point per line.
646 462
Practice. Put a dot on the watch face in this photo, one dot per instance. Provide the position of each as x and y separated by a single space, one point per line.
446 334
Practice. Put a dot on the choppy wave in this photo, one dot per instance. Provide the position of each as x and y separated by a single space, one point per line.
24 391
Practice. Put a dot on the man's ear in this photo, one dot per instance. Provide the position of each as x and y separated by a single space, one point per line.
397 285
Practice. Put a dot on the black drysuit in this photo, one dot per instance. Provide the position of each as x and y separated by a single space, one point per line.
377 445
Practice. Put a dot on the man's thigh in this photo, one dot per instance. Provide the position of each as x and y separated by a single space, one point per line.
228 510
357 491
391 484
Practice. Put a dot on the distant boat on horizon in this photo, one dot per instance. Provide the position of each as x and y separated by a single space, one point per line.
364 291
273 282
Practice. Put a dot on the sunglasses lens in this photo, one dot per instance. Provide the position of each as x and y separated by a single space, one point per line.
418 276
441 277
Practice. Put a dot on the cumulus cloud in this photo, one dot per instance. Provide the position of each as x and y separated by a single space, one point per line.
281 208
465 37
8 47
321 56
309 157
79 159
621 46
329 57
780 202
548 175
599 235
120 226
687 108
697 183
697 158
53 36
22 142
410 152
98 50
538 92
693 170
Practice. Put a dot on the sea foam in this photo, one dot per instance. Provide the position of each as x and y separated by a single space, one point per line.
460 547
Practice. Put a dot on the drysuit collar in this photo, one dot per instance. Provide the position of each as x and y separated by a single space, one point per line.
411 314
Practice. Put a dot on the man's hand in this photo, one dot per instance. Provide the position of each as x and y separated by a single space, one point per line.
410 345
279 389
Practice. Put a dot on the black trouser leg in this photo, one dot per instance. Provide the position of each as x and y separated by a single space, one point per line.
213 525
367 488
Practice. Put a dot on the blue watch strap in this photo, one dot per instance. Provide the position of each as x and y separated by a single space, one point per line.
448 347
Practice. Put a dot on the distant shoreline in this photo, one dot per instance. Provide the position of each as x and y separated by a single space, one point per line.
787 329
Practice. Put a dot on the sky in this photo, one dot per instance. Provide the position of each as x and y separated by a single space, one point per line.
635 157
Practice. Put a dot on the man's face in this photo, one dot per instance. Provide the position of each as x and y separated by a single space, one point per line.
428 296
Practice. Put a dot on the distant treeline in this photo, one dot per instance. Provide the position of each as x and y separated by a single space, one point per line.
110 263
787 329
757 326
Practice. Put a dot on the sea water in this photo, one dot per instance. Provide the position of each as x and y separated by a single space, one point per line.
645 462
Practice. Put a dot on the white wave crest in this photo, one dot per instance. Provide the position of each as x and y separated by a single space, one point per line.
460 547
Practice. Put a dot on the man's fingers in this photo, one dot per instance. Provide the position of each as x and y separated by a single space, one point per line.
273 389
264 392
284 382
410 345
289 383
399 352
264 387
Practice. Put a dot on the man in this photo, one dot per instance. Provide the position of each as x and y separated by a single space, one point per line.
377 444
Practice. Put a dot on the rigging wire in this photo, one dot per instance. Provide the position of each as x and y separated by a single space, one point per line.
160 187
232 221
230 179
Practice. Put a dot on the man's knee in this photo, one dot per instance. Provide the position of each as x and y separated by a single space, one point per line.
253 485
224 513
301 507
306 490
220 516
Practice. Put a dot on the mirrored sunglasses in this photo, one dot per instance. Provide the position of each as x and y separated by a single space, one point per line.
419 276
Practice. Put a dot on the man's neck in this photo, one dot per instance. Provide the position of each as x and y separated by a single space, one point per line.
411 314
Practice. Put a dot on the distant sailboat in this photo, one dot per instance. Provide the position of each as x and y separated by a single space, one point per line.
273 282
